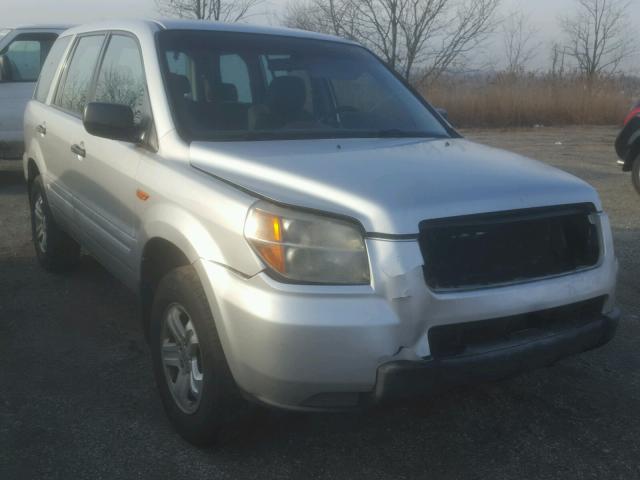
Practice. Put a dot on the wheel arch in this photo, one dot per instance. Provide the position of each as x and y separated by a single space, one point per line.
31 172
159 257
171 237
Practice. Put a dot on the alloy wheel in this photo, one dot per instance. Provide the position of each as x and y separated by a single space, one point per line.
40 223
182 358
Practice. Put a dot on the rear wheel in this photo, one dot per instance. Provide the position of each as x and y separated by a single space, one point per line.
196 386
635 174
56 250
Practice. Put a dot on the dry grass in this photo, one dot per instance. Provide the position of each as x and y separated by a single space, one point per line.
525 101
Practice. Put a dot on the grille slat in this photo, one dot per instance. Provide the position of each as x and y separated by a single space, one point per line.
492 249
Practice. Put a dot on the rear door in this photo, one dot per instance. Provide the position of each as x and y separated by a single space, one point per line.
23 59
105 176
36 134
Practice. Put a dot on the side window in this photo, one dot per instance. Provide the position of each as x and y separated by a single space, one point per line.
73 94
234 71
50 67
25 55
121 78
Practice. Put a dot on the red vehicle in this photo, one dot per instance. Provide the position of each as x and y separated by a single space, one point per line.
628 146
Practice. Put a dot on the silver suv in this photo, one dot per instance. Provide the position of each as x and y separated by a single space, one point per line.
301 227
22 52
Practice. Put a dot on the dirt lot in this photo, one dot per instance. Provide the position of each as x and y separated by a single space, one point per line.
77 398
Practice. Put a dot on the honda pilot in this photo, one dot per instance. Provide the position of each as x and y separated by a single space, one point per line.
301 227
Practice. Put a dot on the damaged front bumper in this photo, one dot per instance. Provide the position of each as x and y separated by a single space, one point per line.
316 347
535 349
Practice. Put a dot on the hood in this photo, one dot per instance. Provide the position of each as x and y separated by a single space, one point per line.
390 185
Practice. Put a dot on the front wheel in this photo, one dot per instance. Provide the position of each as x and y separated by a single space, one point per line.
635 174
197 389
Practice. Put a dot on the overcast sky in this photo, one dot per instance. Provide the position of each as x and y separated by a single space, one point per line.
544 15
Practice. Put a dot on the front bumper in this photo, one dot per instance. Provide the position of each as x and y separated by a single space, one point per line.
403 379
321 347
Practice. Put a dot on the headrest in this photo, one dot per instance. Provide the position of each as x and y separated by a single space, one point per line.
179 85
228 92
286 94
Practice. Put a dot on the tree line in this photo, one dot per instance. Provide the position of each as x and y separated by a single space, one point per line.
424 39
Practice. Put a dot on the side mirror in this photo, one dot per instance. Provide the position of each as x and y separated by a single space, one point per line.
110 120
5 69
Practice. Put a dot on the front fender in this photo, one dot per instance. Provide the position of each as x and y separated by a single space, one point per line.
196 240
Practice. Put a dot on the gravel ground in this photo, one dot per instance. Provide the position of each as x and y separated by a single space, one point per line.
77 398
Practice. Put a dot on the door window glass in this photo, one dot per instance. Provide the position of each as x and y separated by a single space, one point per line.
121 79
25 55
74 93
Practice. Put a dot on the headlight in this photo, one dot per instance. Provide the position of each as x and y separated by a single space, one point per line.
307 248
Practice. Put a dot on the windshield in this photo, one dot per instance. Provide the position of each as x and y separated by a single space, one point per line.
239 86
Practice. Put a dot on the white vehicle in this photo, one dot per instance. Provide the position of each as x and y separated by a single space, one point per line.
23 51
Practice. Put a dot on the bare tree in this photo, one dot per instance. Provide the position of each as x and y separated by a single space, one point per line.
218 10
520 43
558 59
598 36
334 17
420 39
472 22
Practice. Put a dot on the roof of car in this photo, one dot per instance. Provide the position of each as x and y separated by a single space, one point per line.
43 27
172 24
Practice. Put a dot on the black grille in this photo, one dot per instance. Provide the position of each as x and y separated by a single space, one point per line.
491 249
486 335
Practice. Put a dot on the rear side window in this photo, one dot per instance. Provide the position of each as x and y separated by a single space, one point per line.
234 72
50 67
75 90
182 74
121 78
26 54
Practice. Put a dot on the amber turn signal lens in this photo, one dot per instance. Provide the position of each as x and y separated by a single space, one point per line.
266 230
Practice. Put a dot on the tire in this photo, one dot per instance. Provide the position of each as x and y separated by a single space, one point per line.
55 250
201 406
635 174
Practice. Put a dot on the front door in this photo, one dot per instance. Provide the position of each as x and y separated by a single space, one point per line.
61 123
105 173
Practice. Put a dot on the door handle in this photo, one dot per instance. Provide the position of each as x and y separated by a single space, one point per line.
41 129
78 150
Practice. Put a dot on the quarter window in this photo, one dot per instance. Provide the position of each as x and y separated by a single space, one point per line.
121 79
75 91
